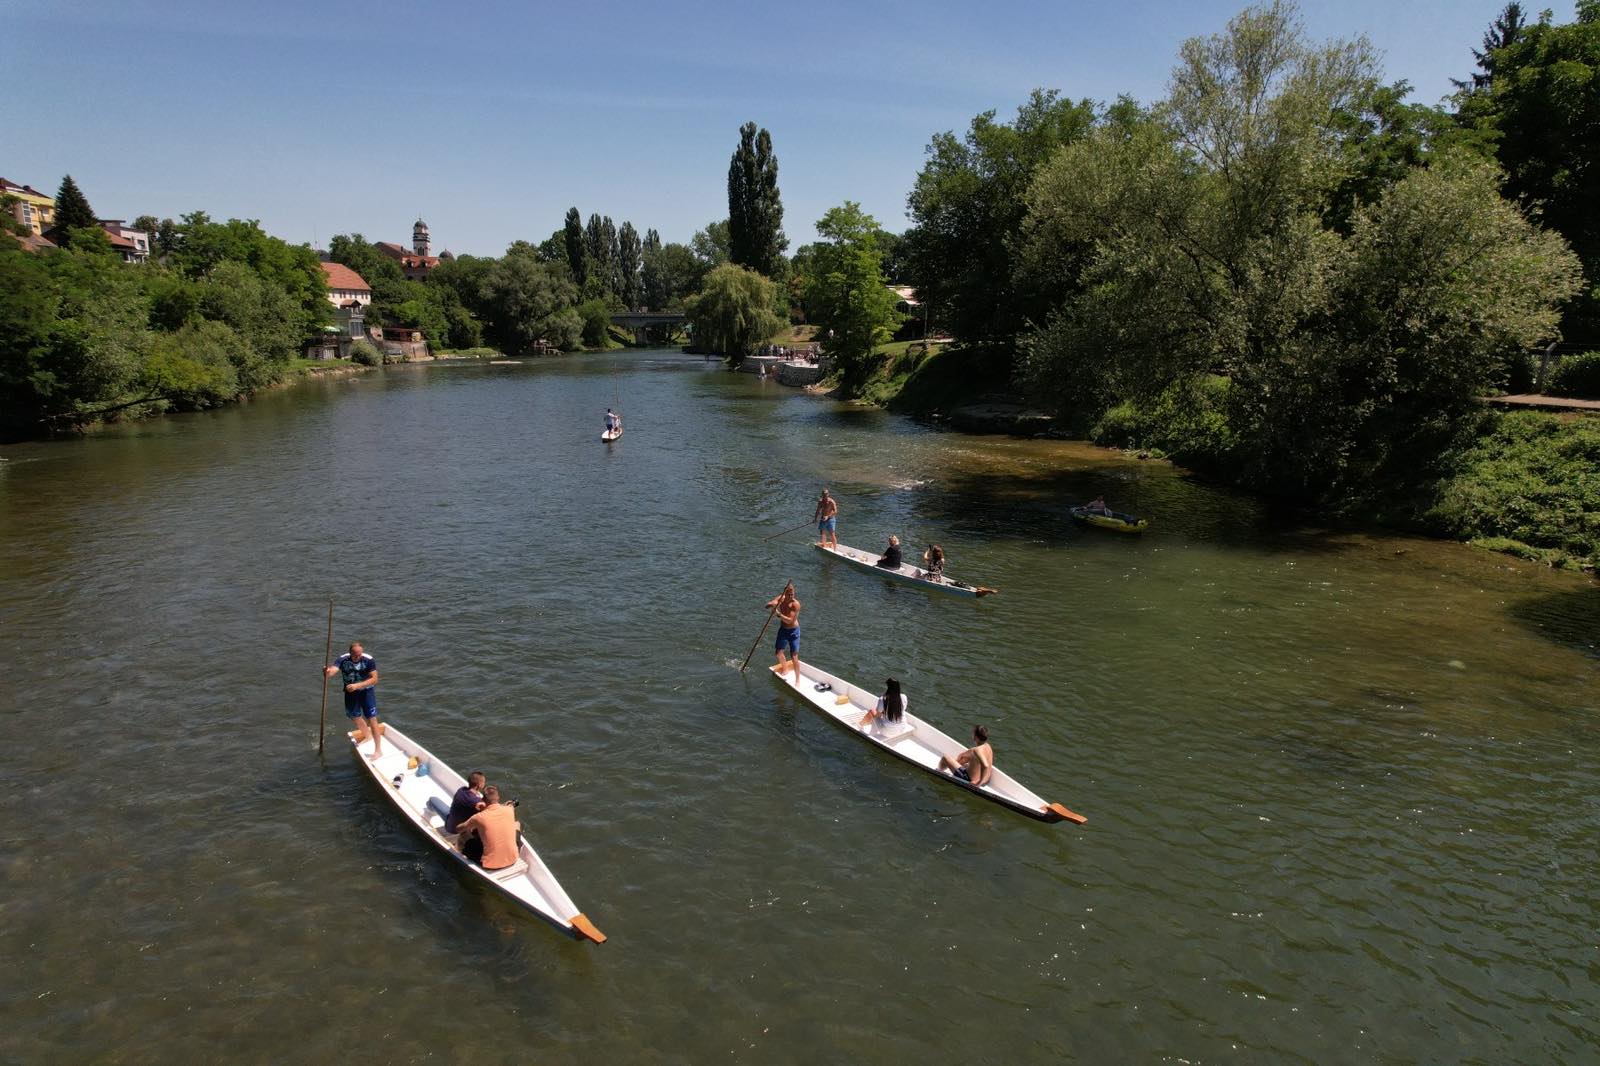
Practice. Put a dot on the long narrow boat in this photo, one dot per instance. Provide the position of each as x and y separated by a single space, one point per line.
906 573
422 790
1116 520
913 740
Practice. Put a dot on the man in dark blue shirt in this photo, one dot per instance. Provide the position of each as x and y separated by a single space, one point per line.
467 801
360 695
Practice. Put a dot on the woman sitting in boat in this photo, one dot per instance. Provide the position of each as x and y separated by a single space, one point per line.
889 714
891 557
933 558
1097 506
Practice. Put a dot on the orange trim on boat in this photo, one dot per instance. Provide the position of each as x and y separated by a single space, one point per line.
1062 814
586 929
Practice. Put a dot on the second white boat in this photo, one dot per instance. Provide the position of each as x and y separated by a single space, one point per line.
906 573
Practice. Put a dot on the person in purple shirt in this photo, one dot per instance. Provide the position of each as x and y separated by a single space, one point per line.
467 801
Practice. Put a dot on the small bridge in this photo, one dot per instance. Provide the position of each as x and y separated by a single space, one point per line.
644 323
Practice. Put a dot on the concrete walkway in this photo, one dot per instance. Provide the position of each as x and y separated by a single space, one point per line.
1546 403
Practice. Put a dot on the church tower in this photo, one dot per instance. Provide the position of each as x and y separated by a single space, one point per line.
419 237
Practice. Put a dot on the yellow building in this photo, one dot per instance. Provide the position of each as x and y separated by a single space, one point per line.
34 209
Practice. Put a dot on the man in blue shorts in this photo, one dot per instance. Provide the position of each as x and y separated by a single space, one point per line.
360 694
788 646
827 520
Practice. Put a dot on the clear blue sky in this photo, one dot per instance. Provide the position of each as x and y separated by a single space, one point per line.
491 119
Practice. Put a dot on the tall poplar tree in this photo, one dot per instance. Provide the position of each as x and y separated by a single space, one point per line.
652 241
577 257
630 252
755 211
72 211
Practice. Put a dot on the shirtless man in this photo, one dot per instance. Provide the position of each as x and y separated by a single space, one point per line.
976 764
788 646
827 520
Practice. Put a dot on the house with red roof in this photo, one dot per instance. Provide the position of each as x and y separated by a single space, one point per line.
346 288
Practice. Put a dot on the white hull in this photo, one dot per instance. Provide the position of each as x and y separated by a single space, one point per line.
424 800
921 744
609 435
907 573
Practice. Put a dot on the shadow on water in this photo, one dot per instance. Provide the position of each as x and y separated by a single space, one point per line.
1570 618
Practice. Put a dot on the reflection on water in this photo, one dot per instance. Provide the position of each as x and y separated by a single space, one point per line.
1340 786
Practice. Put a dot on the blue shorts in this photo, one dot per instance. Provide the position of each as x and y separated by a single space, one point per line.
365 705
828 525
961 773
788 640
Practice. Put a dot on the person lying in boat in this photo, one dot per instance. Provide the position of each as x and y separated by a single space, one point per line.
1097 506
467 801
891 556
933 559
889 712
787 649
489 838
976 764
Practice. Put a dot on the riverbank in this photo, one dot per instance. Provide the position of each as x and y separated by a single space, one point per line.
1526 483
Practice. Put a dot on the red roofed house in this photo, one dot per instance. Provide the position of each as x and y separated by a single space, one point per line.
415 263
350 294
345 286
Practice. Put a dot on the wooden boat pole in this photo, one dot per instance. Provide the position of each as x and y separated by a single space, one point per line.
327 661
791 529
761 634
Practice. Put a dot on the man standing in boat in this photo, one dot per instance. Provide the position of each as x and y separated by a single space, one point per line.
788 647
360 674
827 520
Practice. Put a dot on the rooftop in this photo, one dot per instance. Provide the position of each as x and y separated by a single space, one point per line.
342 277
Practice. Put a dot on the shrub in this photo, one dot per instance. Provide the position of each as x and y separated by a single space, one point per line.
365 352
1577 375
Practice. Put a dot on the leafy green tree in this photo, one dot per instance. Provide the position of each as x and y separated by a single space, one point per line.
967 207
669 274
652 241
755 209
553 249
525 301
596 315
732 315
1502 33
72 211
630 251
577 247
847 296
194 367
711 245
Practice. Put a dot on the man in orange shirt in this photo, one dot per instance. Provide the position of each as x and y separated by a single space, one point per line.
489 838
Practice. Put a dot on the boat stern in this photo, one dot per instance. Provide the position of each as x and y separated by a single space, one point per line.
585 929
1054 812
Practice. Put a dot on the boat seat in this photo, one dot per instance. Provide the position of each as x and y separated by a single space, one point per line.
894 733
516 869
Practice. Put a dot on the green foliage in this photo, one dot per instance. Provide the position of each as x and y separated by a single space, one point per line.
1187 421
670 273
1577 375
732 315
195 366
712 245
755 209
577 249
967 208
365 353
630 251
596 315
846 295
1528 478
523 301
73 212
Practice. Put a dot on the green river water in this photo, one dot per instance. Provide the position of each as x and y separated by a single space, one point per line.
1341 789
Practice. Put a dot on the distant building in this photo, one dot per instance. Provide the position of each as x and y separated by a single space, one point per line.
345 286
132 244
415 263
33 208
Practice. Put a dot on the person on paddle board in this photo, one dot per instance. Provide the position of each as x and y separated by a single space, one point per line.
975 765
360 694
787 649
827 520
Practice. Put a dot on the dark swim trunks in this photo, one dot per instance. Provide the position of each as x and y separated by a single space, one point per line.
962 775
788 640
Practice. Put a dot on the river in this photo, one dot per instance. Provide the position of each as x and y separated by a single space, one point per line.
1343 790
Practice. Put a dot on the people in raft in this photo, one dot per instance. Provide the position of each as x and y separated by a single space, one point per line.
891 555
976 764
827 520
360 674
787 649
890 711
613 421
489 838
467 801
1097 506
933 559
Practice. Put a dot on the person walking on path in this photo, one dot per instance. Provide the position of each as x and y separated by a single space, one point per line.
827 519
360 694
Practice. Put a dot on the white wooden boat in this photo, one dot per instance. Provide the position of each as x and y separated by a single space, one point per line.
609 435
913 740
911 575
424 798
